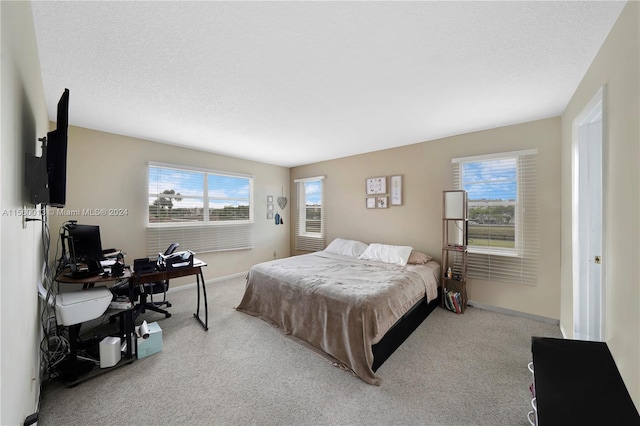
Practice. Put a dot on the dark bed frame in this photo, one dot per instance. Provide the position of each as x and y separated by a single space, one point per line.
402 329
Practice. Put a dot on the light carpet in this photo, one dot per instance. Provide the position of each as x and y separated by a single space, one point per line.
468 369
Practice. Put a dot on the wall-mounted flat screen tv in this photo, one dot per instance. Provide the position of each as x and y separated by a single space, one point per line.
46 176
57 154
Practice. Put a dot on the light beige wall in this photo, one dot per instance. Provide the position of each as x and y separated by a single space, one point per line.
24 119
616 66
108 171
427 171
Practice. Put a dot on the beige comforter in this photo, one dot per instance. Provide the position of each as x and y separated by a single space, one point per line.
337 304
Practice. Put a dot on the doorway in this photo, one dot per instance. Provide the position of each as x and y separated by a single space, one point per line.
587 215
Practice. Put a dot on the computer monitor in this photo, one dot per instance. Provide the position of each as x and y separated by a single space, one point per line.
85 246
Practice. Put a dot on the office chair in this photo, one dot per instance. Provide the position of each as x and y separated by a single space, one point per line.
143 294
146 291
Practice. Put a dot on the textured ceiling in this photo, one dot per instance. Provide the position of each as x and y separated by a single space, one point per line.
292 83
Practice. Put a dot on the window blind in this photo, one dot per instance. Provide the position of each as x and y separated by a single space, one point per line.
487 178
203 210
200 239
310 214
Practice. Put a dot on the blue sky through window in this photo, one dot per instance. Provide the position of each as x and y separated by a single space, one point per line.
313 192
228 187
490 180
222 190
187 183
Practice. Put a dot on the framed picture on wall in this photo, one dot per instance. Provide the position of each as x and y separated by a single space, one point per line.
382 202
371 202
396 190
377 185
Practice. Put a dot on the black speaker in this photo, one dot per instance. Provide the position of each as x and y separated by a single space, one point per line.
144 266
117 270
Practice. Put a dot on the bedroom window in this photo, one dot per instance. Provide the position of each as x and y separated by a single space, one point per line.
310 215
203 210
503 221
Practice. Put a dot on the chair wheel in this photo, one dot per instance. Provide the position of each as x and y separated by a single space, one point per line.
167 315
168 305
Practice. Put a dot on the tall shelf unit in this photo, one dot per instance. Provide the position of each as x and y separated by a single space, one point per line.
454 250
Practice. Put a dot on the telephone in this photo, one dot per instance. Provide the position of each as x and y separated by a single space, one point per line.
180 259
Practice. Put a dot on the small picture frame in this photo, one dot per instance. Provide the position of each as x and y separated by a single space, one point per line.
270 215
376 185
396 190
269 199
371 202
382 202
270 207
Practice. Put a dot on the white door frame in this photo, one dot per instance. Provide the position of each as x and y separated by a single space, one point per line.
589 275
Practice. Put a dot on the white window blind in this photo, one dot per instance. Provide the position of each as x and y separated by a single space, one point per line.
203 210
310 214
200 239
502 193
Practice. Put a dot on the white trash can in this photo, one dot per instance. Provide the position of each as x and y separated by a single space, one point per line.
110 353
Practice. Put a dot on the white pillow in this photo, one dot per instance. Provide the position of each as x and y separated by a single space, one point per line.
346 247
398 255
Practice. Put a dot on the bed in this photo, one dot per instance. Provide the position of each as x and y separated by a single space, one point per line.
352 303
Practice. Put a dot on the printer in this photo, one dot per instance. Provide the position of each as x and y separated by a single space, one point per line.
75 307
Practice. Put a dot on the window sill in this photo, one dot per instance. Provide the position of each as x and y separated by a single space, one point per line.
492 252
307 235
197 224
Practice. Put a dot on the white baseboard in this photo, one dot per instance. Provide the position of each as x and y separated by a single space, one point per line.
564 334
213 280
512 312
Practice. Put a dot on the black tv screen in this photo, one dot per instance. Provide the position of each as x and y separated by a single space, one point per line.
57 154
